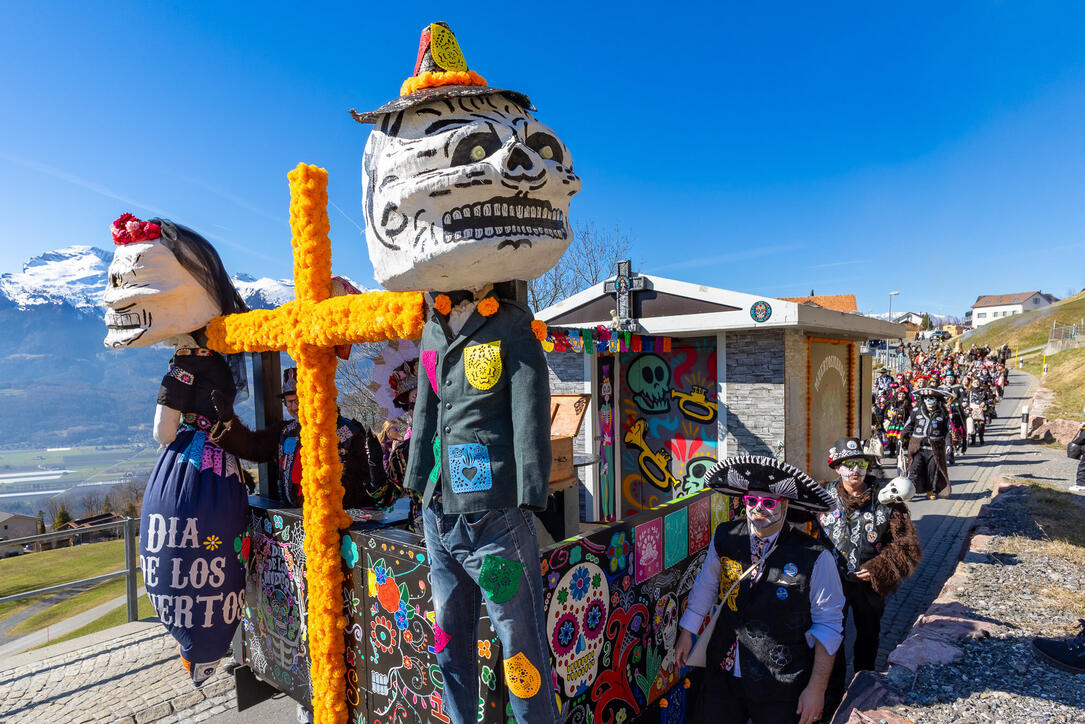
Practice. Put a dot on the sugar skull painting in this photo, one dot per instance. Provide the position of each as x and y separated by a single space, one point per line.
575 623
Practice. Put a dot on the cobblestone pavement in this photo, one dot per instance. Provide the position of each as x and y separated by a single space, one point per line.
130 674
943 525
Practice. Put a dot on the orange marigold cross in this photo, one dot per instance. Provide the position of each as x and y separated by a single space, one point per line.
309 328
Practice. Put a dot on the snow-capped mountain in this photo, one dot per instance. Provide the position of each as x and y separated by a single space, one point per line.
60 385
76 276
264 293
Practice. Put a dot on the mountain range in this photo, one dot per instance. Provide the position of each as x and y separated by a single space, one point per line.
58 384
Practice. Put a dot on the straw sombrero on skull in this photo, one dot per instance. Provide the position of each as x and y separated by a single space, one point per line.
440 72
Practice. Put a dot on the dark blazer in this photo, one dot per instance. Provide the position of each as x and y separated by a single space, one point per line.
482 417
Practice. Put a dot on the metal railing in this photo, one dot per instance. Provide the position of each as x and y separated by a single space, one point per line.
1069 336
131 561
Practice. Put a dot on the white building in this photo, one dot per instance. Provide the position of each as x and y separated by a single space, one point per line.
995 306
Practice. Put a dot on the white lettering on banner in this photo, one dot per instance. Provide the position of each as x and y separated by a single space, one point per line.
156 532
185 606
208 609
183 611
149 564
829 363
197 573
218 575
190 534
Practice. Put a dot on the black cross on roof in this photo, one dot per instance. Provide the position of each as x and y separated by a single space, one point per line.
622 287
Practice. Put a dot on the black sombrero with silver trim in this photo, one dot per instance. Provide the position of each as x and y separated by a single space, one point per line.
755 473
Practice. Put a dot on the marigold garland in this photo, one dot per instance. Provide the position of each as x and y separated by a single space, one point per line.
442 304
436 78
538 328
488 307
308 328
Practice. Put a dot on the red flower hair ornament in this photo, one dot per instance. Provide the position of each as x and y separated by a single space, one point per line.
127 229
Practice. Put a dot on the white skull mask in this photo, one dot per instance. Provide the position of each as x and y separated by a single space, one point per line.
464 192
150 297
897 490
575 622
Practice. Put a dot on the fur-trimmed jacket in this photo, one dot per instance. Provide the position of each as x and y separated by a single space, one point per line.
896 553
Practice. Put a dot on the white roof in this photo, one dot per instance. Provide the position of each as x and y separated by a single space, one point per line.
784 314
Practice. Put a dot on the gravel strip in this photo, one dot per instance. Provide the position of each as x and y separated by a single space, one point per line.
1023 590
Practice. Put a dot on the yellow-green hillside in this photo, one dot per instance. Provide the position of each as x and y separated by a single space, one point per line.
1029 329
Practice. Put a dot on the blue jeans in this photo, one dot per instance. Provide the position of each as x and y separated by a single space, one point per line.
495 554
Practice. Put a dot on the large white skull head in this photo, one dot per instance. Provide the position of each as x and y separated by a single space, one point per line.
576 621
150 297
462 192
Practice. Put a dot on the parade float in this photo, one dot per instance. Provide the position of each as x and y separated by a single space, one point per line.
338 612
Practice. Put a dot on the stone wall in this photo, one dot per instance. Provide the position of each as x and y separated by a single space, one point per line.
567 376
756 396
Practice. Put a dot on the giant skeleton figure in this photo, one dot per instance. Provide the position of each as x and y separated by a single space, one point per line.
165 284
464 190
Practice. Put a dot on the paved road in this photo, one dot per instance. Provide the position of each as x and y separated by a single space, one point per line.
45 635
943 524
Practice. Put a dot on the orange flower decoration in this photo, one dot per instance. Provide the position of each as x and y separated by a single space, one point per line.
538 328
484 649
488 307
443 304
436 78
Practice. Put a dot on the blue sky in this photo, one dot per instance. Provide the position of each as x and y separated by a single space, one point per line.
937 149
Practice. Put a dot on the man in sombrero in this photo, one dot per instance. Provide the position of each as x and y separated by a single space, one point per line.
769 644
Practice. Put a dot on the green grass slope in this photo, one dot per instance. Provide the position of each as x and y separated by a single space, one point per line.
1029 329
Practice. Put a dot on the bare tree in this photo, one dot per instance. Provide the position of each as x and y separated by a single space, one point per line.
92 502
592 257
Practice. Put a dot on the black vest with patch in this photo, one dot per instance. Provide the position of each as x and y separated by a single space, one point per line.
772 616
858 537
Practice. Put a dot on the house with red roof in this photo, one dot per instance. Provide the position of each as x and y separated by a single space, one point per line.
990 307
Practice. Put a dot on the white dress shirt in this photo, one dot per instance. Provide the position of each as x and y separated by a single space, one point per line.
826 598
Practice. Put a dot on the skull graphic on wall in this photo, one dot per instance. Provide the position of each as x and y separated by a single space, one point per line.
575 622
650 380
463 192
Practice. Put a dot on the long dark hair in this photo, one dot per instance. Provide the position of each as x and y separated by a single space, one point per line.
196 254
199 258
